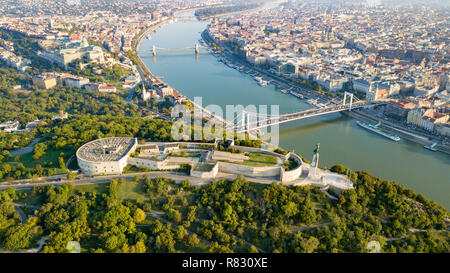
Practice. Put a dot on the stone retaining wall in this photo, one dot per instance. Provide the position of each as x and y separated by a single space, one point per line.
249 170
288 176
210 174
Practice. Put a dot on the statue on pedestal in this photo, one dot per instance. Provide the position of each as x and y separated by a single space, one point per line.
314 162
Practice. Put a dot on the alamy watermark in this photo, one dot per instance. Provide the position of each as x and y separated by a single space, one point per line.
211 122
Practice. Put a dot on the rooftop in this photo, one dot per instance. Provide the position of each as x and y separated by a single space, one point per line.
106 149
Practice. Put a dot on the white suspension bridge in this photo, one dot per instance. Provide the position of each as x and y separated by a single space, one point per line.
155 49
187 18
249 122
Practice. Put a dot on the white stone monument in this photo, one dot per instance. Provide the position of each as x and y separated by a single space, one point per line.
314 163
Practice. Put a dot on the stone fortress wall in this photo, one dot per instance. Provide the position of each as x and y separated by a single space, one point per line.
154 149
207 175
112 155
92 162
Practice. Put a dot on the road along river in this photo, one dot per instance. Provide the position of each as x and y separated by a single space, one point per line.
341 140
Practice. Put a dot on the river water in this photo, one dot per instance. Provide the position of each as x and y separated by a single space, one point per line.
341 140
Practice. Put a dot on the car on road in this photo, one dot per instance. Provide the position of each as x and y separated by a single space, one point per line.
53 179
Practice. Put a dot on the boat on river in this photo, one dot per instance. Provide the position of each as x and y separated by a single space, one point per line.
297 95
431 147
312 101
375 129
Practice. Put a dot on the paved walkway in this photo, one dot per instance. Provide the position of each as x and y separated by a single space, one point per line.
40 243
311 227
178 177
23 216
25 150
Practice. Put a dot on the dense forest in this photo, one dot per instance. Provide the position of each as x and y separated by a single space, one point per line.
91 115
159 215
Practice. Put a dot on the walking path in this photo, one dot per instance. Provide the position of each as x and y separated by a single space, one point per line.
25 150
311 227
23 216
40 243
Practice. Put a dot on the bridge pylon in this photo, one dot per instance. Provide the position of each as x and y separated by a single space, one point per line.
345 99
245 121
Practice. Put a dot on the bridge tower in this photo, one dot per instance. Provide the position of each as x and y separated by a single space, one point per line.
154 50
245 121
351 99
197 49
243 116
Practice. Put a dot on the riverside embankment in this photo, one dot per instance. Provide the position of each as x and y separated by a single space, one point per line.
342 141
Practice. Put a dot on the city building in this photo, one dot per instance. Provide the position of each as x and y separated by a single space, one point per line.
399 108
44 82
10 126
60 116
75 82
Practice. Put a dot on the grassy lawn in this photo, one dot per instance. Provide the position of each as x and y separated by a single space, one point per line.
97 188
89 243
32 200
128 190
203 167
132 191
290 165
48 160
258 160
73 164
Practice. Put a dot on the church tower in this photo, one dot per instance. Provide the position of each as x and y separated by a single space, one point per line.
145 95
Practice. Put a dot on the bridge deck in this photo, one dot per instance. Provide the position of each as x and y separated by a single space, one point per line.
172 49
296 116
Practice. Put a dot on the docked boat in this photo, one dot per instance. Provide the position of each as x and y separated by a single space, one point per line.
261 81
431 147
264 83
375 129
297 95
312 101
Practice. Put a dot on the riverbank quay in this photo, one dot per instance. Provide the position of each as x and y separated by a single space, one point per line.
343 142
148 76
282 82
402 131
143 69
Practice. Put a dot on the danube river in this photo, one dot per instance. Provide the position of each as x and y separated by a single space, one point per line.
341 140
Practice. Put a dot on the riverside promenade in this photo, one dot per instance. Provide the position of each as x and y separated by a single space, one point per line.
148 76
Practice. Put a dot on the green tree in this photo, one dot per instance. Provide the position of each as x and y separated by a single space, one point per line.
139 216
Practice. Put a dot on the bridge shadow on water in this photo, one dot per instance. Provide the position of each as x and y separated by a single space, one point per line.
312 124
170 55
